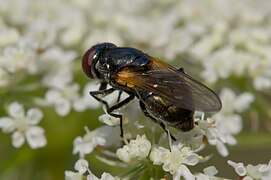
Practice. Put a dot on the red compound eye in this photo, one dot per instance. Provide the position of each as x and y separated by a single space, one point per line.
87 62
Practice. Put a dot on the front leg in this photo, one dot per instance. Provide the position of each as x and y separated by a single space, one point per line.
104 92
118 106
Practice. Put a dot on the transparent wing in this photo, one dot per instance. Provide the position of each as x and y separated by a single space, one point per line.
173 85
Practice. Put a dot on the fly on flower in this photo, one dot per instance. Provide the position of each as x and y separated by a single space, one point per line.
166 95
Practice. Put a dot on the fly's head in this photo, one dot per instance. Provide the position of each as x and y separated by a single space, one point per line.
92 57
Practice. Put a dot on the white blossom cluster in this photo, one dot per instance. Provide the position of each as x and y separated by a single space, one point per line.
136 149
82 167
177 158
41 42
249 172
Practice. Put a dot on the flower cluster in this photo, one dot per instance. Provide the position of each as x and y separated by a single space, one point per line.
136 149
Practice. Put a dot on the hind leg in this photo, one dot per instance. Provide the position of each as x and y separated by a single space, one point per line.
143 108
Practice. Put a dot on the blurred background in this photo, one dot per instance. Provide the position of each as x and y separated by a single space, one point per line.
224 43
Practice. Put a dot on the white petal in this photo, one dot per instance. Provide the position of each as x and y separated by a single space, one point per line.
7 124
222 149
183 171
192 159
211 171
52 96
16 110
253 171
156 155
109 120
17 139
69 175
63 107
80 105
81 166
231 140
92 103
81 147
91 176
34 116
107 176
202 177
263 168
35 137
112 98
107 135
243 101
76 143
238 167
123 153
248 178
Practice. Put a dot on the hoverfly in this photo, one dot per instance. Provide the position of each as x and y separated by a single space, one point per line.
166 95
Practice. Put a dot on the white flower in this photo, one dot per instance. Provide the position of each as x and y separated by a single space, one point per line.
204 128
261 171
235 103
24 127
64 99
228 122
156 155
103 136
193 138
174 160
208 128
56 64
262 82
138 148
204 47
82 167
178 156
213 134
17 58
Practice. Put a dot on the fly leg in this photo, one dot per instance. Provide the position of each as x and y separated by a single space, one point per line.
118 106
118 100
164 127
143 108
102 92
